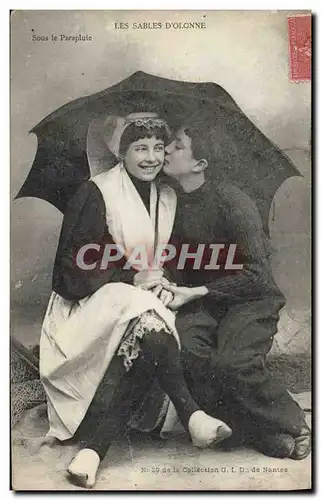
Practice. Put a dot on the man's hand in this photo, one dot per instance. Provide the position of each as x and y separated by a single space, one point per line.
164 296
183 295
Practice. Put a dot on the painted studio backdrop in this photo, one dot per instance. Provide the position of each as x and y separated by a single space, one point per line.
244 52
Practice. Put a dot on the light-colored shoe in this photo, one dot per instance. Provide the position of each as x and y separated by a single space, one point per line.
83 468
206 430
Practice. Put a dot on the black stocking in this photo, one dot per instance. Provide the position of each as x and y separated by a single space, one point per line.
106 419
163 348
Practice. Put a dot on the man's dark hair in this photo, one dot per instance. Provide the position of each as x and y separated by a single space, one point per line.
200 143
210 140
198 127
134 133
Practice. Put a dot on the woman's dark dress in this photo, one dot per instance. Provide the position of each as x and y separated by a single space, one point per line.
85 223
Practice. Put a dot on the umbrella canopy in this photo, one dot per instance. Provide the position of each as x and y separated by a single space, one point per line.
244 157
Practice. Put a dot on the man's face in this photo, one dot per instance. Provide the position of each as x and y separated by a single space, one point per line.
179 156
145 158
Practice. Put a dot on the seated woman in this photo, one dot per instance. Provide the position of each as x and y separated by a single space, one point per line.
106 336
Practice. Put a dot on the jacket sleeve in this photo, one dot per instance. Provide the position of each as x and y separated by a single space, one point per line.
85 224
244 228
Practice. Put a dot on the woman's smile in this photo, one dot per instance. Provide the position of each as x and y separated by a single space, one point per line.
150 168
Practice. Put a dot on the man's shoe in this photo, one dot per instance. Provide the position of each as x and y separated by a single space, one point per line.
276 445
302 446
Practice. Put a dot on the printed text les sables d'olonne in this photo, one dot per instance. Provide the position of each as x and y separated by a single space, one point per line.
149 25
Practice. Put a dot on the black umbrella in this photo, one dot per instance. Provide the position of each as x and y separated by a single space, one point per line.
240 153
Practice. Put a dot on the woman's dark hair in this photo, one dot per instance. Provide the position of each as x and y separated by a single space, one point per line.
134 132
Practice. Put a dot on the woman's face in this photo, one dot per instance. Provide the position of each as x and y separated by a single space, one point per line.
144 158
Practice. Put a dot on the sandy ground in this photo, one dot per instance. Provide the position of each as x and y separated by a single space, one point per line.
141 462
145 463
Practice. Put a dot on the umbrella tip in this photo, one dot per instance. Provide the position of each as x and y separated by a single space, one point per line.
139 72
33 130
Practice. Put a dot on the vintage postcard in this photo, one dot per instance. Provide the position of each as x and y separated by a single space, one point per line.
160 250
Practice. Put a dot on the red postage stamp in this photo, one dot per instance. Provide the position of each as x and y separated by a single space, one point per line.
300 47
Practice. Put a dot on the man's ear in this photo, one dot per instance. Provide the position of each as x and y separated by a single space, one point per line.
201 165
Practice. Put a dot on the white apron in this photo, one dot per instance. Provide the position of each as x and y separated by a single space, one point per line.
79 339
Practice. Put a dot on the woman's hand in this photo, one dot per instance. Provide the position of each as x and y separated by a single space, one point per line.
154 281
148 278
164 296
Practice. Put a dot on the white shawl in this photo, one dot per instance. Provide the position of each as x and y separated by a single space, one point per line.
127 218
